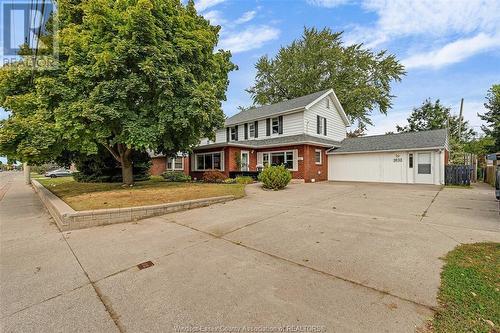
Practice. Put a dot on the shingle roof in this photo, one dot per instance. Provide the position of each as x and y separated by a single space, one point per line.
400 141
273 109
281 140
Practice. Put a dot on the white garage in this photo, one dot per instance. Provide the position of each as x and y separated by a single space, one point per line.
417 157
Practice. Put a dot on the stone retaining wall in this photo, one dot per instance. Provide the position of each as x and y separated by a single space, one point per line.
67 218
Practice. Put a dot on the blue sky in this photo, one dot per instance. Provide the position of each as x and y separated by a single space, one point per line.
451 49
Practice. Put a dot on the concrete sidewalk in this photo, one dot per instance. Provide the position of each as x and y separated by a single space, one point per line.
42 285
345 257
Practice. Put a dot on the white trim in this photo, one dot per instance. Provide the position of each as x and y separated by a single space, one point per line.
248 159
260 157
380 151
335 101
195 161
320 156
173 168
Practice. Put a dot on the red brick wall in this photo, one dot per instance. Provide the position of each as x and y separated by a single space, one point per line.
158 166
307 168
446 157
318 172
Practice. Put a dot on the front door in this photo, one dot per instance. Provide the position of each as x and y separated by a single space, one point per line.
244 160
424 170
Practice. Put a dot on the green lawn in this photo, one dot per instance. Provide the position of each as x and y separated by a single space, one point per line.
469 296
86 196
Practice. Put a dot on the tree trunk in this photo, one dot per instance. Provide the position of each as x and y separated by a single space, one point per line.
127 168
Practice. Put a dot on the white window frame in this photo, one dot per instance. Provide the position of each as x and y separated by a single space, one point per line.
321 125
232 133
171 160
277 125
266 158
320 156
251 128
195 160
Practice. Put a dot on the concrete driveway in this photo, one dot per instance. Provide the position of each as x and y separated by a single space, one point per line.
342 257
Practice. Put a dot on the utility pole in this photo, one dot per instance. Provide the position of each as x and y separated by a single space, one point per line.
460 119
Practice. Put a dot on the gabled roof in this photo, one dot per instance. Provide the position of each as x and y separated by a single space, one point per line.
295 104
388 142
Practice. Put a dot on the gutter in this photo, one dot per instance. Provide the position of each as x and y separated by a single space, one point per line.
332 152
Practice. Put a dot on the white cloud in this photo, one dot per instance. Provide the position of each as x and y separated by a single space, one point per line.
246 17
215 17
248 39
453 52
434 17
383 124
456 30
327 3
201 5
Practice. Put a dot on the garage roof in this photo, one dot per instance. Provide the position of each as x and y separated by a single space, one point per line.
388 142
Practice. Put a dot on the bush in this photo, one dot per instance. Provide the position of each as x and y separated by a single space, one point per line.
175 176
275 177
103 168
229 181
213 176
244 180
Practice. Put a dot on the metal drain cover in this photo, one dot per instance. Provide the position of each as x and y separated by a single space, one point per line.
145 264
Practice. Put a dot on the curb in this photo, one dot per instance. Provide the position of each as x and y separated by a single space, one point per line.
67 218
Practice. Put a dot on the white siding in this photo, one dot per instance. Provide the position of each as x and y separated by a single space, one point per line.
220 135
387 167
335 127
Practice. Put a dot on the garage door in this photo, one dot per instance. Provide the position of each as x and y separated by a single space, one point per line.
371 167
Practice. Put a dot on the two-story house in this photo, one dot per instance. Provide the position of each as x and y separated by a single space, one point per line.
308 136
296 133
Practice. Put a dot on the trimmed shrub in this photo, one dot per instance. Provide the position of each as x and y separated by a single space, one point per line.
213 176
244 180
275 177
175 176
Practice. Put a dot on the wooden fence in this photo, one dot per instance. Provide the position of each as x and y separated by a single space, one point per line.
490 175
457 174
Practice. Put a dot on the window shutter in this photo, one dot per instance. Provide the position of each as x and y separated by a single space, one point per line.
227 134
256 128
318 119
280 125
236 130
246 131
324 127
268 126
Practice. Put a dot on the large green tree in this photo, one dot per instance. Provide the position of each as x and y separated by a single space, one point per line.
134 75
492 117
434 115
319 60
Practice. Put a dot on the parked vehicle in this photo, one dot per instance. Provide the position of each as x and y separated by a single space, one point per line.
58 173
